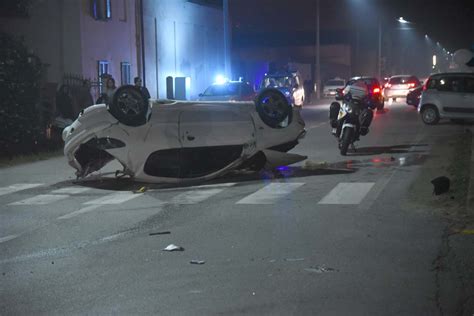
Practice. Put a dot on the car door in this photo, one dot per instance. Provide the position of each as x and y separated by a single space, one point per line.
450 90
467 96
213 136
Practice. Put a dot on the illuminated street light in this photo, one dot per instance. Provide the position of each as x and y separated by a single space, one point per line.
402 20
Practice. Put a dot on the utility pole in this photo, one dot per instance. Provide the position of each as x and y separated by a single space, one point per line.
318 61
379 57
227 40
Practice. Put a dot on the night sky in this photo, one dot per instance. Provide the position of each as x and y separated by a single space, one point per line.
449 22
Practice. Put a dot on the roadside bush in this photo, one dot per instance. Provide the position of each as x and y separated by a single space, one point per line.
21 130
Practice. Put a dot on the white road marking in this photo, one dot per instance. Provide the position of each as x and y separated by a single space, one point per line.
270 193
18 187
347 193
70 190
81 211
195 196
7 238
205 186
114 198
41 199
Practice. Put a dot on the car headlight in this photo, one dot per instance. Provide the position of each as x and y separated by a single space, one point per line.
287 93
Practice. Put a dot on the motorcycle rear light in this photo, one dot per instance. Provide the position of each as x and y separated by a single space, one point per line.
376 90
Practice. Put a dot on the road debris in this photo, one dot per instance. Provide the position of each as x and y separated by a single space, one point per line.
441 185
320 269
294 259
159 233
173 247
141 190
314 165
197 262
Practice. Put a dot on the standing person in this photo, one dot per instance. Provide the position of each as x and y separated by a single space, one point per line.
143 90
109 90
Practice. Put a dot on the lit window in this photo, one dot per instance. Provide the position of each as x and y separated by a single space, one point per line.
101 9
125 73
103 67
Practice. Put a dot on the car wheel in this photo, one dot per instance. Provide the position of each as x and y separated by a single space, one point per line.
381 106
430 115
129 106
273 108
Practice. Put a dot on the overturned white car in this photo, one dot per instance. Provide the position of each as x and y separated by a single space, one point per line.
174 141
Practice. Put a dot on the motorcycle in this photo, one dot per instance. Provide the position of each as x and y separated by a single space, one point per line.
353 118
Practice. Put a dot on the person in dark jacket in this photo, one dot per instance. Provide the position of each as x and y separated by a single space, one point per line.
144 90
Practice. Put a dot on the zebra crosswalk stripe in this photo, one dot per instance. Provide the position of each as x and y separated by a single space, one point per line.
195 196
70 190
18 187
347 193
114 198
41 199
270 193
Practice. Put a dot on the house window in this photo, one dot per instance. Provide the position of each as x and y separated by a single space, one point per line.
125 73
103 67
101 9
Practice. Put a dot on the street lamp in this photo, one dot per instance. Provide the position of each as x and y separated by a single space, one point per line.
402 20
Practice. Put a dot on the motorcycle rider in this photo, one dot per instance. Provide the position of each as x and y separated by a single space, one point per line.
357 94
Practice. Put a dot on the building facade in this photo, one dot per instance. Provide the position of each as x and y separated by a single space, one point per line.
182 38
124 38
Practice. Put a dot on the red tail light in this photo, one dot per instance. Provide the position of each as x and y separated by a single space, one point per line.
376 90
411 85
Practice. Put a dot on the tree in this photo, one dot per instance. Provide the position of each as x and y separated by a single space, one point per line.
20 78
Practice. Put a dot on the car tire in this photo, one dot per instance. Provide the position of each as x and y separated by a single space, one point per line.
130 106
381 106
273 108
429 115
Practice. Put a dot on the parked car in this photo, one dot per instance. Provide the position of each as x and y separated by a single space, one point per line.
413 97
176 141
399 86
289 83
331 86
447 95
228 91
374 89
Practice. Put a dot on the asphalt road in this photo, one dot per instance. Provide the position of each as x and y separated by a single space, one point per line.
330 236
